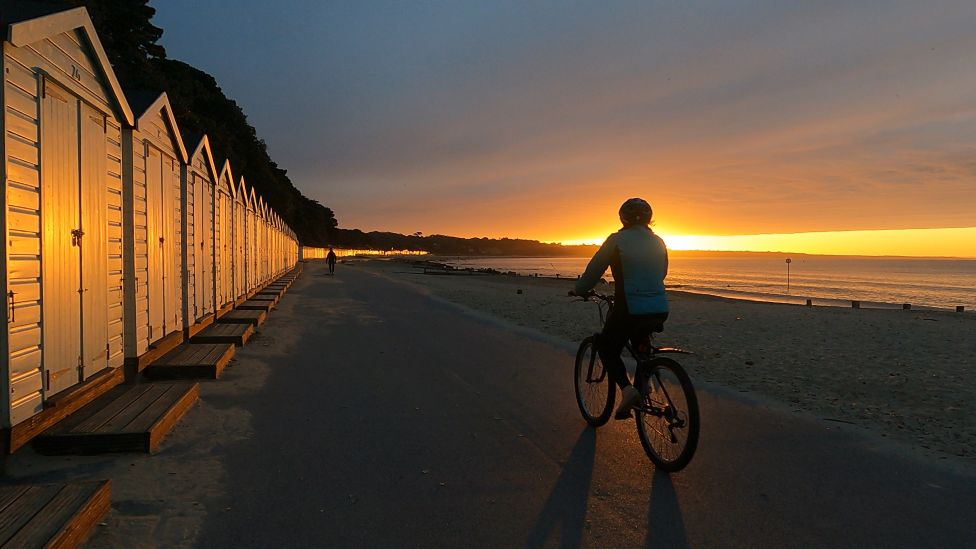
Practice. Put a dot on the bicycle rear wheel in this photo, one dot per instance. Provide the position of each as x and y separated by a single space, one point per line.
667 417
594 391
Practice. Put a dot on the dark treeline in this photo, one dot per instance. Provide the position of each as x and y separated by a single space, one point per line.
131 41
452 245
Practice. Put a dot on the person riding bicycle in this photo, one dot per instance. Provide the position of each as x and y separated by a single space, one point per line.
638 260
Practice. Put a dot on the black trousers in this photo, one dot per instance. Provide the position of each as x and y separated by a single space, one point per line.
621 327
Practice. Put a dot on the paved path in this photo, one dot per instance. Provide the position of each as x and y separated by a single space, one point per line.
393 420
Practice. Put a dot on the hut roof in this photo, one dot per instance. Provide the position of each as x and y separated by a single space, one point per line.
27 22
147 102
200 144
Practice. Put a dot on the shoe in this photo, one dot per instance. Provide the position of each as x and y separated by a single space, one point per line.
628 397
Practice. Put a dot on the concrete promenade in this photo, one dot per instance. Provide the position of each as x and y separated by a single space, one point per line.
367 414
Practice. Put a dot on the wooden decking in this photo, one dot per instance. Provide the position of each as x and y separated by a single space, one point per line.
256 305
200 325
51 515
238 316
156 350
60 407
129 418
270 293
192 361
238 334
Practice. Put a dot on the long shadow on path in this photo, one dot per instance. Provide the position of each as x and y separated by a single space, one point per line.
565 511
665 525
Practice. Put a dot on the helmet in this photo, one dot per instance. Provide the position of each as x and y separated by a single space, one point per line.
634 211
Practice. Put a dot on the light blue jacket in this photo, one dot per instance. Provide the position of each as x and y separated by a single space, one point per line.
638 259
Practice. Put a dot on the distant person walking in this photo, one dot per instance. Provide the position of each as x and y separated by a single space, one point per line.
331 259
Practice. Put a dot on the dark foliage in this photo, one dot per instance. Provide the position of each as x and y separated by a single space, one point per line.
451 245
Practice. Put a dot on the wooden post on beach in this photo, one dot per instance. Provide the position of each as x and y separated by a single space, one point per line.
788 261
855 304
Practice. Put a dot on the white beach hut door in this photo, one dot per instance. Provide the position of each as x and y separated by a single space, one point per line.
94 242
221 265
60 259
172 267
203 255
155 240
219 243
207 247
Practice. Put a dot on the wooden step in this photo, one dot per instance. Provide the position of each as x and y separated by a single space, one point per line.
129 418
238 316
51 515
271 292
256 305
238 334
273 299
192 361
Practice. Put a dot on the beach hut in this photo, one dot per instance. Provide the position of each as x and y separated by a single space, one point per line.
240 242
154 155
199 180
62 211
224 240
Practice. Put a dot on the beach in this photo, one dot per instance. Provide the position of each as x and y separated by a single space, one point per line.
905 375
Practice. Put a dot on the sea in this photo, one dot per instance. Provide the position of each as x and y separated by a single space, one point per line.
877 282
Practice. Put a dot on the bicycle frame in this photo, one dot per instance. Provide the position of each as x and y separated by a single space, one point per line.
641 356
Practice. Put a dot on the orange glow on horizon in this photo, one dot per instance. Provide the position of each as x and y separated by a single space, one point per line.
948 242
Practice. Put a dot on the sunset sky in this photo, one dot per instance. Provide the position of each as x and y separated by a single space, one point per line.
536 119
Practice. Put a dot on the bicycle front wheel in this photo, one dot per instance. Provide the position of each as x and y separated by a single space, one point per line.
667 417
594 391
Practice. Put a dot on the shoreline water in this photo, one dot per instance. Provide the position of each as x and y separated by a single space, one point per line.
903 375
491 266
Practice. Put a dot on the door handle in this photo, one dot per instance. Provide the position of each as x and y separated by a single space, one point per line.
76 235
13 308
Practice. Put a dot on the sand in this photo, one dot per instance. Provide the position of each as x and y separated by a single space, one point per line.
909 376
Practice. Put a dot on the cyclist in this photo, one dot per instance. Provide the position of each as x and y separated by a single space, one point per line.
638 260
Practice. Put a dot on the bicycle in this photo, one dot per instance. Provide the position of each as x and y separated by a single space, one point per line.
667 413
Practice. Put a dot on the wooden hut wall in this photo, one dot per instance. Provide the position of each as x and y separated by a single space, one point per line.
264 271
199 183
240 241
224 238
251 244
62 212
154 258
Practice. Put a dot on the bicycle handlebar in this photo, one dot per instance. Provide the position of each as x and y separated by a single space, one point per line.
592 294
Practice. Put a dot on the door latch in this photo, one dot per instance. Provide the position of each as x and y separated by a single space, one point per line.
13 308
161 240
76 235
